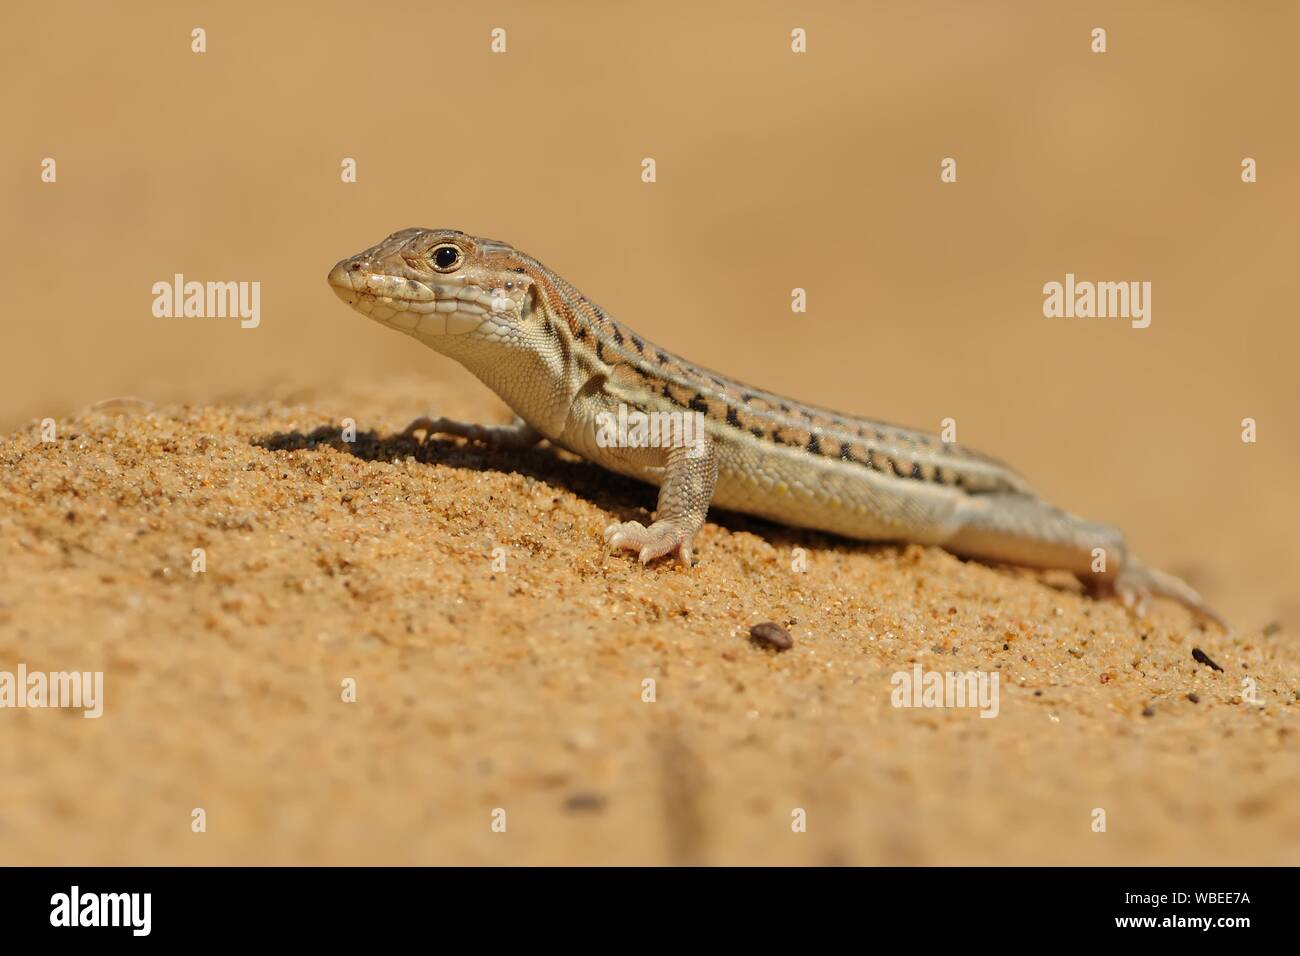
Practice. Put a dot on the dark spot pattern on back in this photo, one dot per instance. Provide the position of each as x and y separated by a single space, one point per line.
883 448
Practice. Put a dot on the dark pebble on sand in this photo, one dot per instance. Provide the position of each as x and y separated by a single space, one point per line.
585 803
1201 657
771 635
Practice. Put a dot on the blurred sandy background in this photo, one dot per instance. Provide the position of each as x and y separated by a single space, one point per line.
774 171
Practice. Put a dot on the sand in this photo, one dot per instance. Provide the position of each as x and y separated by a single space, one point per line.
514 680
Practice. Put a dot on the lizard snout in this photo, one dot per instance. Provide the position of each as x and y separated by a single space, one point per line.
340 280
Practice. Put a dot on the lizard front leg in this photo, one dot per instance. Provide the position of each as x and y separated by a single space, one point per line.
690 472
518 434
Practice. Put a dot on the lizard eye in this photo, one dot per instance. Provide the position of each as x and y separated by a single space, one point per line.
445 258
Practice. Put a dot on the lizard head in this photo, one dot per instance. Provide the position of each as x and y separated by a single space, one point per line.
439 284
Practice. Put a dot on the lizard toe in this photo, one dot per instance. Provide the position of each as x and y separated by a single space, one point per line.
422 424
628 535
660 539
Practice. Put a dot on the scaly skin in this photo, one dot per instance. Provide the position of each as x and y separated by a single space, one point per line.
562 363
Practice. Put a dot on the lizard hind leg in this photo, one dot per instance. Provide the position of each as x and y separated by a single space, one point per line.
1022 529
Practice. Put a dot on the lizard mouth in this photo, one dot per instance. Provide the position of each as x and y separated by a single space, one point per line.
410 306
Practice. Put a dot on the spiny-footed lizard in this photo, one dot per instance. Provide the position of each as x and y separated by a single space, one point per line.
568 369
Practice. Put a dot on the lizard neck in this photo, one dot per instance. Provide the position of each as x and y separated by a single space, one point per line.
527 371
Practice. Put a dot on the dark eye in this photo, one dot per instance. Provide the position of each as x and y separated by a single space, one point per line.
445 258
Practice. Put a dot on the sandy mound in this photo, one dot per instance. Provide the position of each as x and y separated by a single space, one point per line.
522 688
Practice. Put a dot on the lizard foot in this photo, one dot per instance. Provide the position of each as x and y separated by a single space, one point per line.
1136 584
1134 595
662 537
516 435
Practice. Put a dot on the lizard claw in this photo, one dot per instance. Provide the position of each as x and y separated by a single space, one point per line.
661 538
423 424
445 426
519 434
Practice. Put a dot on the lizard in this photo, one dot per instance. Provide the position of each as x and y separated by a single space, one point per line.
567 368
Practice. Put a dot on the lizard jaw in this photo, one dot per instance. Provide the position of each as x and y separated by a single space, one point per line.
407 305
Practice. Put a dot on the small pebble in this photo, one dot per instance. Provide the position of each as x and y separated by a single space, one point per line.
1194 698
1148 712
771 635
585 803
1201 657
